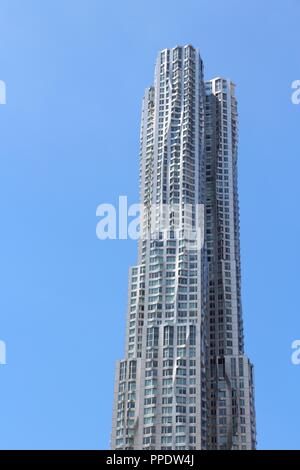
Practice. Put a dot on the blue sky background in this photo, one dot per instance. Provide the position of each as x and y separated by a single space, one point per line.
69 138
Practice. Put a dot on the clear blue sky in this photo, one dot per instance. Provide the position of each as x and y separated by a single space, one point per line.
69 138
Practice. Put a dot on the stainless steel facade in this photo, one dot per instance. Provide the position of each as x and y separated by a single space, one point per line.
184 382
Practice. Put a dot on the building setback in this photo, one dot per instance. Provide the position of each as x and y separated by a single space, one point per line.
185 382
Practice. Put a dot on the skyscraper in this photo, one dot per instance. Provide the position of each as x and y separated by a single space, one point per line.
185 382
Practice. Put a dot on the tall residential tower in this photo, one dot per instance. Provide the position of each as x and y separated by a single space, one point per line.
185 382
